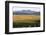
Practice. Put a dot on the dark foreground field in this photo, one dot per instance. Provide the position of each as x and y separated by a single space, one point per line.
26 24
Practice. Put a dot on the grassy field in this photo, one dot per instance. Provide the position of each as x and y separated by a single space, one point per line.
26 21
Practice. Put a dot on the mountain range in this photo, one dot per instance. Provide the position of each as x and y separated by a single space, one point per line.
26 12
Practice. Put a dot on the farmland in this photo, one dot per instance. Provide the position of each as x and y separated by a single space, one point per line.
26 21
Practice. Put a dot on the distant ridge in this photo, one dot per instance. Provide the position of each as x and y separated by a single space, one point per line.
26 12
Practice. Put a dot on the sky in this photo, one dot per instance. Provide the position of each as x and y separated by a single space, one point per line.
26 8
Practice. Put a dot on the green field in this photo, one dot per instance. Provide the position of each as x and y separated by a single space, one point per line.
26 24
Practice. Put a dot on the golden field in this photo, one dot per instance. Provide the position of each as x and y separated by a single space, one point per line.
26 21
25 17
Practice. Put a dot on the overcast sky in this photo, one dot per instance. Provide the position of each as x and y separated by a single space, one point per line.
23 8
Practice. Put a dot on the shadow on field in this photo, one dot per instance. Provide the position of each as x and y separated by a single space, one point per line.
25 24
